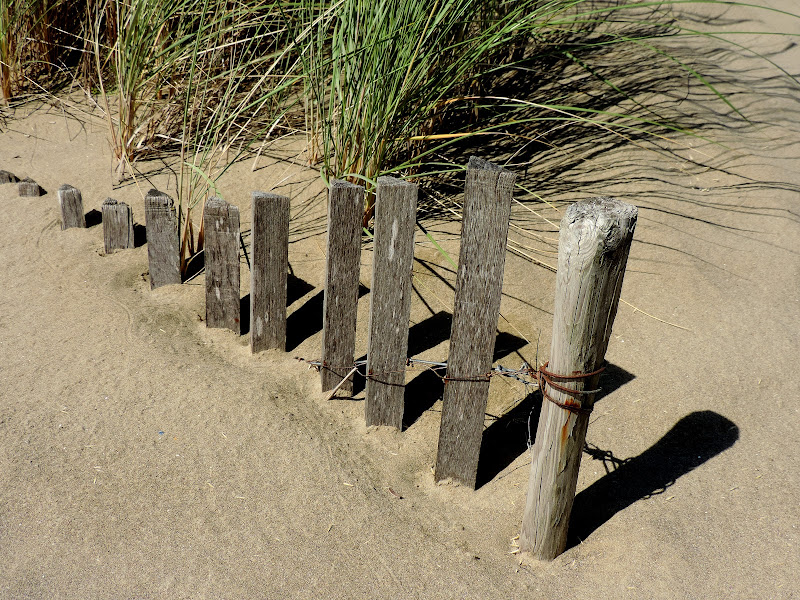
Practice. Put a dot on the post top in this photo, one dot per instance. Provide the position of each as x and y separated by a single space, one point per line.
476 163
601 205
607 220
387 180
109 202
341 183
153 196
215 202
268 195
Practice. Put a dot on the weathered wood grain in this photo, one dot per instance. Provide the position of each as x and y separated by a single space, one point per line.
479 282
162 239
7 177
221 226
117 225
390 301
594 243
29 188
345 208
70 202
269 271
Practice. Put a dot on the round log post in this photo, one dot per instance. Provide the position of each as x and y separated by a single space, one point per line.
594 243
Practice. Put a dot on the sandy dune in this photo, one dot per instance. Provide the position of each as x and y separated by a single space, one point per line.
143 455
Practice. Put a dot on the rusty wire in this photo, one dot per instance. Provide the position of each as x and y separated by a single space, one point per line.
414 364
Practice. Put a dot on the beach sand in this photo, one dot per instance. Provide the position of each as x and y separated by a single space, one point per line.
143 455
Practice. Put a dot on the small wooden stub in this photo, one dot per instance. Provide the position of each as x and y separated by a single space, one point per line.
390 301
6 177
29 188
594 243
70 202
117 225
221 226
345 209
162 239
268 273
479 283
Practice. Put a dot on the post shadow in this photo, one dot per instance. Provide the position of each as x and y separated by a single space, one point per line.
508 437
93 217
244 314
425 389
139 235
194 264
429 333
422 336
693 440
307 320
296 288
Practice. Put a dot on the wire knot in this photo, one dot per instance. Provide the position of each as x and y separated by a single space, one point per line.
545 378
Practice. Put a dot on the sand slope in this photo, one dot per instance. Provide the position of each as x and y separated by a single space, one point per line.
144 456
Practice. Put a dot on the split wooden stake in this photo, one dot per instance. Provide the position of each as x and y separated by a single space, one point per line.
29 188
70 202
390 301
343 256
117 225
479 283
269 271
221 227
162 239
8 177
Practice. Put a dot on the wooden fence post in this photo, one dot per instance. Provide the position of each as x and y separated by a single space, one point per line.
594 243
268 272
345 209
484 234
162 239
8 177
29 188
71 203
390 301
117 225
221 253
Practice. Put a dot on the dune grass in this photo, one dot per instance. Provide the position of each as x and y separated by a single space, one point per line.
407 88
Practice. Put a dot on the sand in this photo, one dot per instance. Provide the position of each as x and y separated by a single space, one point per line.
143 455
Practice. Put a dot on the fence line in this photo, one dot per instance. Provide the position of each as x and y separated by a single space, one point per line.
594 243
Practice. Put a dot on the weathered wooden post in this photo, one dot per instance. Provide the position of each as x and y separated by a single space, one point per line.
117 225
594 243
70 202
8 177
221 253
269 271
479 283
29 188
162 239
390 301
345 209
